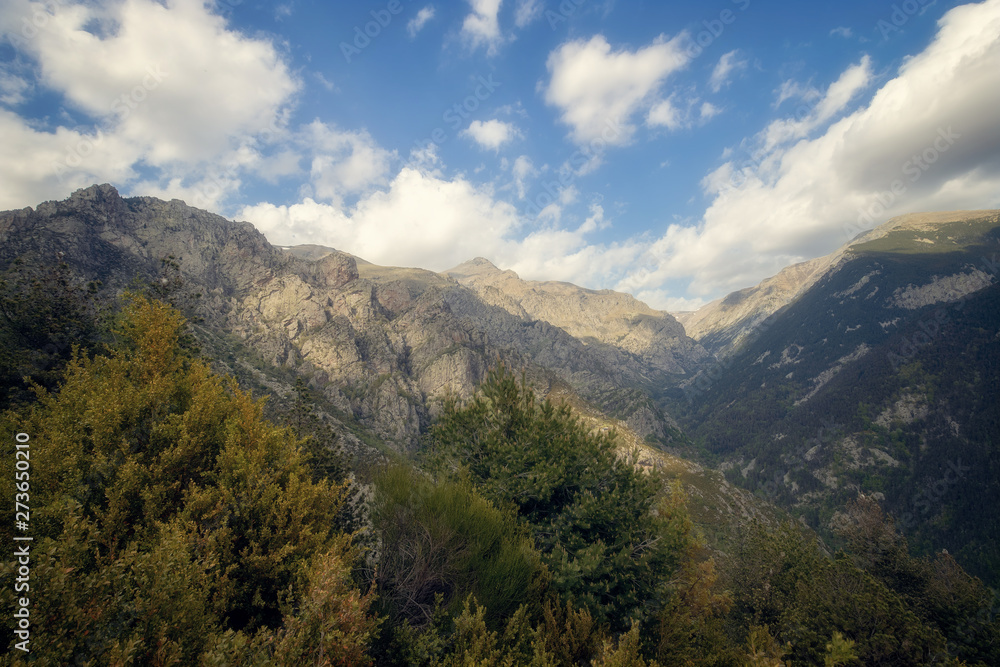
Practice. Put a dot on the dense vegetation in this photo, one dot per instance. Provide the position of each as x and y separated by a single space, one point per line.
174 524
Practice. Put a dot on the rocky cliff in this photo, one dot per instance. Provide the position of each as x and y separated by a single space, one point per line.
384 345
600 317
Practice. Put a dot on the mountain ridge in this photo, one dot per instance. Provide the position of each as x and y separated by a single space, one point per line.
727 322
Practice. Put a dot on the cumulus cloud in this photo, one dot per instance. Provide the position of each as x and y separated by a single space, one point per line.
167 85
728 63
491 134
343 163
417 23
665 114
931 132
482 26
596 88
425 220
420 220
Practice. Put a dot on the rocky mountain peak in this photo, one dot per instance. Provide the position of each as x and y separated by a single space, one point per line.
602 317
724 324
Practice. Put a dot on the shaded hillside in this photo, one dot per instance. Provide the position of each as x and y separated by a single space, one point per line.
882 378
723 325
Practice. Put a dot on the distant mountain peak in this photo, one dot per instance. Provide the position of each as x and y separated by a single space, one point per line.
724 324
477 266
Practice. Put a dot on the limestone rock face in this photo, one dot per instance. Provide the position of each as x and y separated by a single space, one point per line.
384 345
593 316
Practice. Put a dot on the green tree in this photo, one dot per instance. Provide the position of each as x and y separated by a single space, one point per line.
171 521
610 539
937 589
44 313
781 579
442 542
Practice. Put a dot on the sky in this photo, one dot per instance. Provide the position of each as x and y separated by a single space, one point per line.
675 151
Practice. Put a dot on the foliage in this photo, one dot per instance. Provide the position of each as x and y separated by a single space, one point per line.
937 589
596 520
441 543
44 313
170 519
839 651
781 580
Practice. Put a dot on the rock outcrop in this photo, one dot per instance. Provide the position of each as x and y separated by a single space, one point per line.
384 345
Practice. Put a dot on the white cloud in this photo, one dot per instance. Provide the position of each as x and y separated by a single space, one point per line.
343 163
665 114
807 194
482 27
421 220
839 94
165 85
427 221
709 111
527 11
417 23
523 169
172 77
727 64
597 88
36 165
13 88
491 134
793 89
846 33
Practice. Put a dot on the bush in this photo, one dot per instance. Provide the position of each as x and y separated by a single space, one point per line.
446 540
170 519
593 515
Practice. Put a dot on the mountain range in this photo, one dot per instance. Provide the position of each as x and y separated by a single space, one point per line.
873 370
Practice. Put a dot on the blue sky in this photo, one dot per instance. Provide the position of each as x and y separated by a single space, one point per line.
674 151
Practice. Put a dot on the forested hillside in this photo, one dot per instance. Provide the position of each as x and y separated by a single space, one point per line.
883 379
174 524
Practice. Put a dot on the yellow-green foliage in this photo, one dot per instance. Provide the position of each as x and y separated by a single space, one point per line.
444 539
171 521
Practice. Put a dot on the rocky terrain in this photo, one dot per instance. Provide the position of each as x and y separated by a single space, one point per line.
870 370
384 345
726 323
603 317
879 377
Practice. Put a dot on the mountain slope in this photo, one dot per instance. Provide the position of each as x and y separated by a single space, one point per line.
724 324
883 378
604 316
381 347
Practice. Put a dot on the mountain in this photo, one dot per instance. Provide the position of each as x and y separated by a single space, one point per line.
724 324
381 347
598 317
874 370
